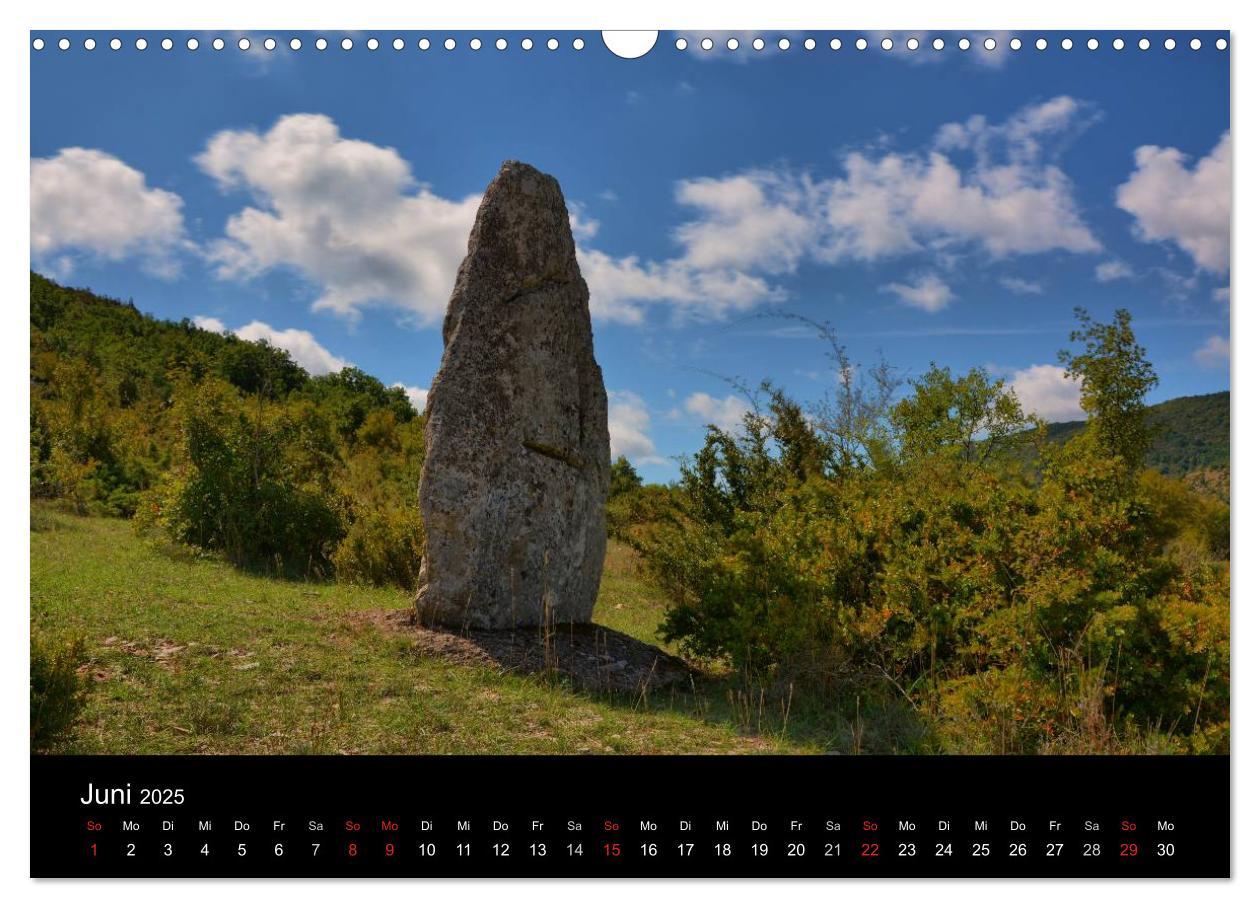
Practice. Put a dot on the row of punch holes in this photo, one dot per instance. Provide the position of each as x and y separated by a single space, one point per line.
706 45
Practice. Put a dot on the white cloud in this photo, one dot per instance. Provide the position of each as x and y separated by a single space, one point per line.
345 214
1021 286
1221 295
620 286
1112 271
87 201
209 323
1214 352
349 216
628 424
418 396
1189 206
1048 391
302 346
929 293
727 413
307 352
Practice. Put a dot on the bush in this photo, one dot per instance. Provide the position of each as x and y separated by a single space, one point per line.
1070 605
255 486
383 548
57 692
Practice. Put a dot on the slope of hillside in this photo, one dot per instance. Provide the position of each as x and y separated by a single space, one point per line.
1191 434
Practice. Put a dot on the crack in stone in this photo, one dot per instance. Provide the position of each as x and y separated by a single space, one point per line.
566 457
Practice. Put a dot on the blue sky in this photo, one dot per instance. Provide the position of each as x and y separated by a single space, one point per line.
936 206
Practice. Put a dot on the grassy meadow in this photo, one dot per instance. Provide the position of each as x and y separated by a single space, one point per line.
186 654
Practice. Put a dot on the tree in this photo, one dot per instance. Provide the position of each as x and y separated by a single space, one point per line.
624 477
1115 377
969 418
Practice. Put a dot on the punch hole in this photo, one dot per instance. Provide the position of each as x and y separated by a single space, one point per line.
527 44
886 44
990 44
1221 44
1195 43
449 43
295 44
1016 44
193 44
373 44
115 44
423 44
89 44
759 43
552 44
38 44
860 44
964 44
835 43
810 43
732 44
630 45
475 44
217 44
912 44
321 43
938 44
141 43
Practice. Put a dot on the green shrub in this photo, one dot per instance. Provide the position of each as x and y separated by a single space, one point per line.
1072 606
57 691
382 547
253 485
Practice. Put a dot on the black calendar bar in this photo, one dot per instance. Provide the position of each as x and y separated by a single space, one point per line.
451 817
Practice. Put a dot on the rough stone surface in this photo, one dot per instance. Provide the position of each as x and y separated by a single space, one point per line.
516 464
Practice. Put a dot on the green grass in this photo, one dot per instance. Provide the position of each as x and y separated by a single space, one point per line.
188 655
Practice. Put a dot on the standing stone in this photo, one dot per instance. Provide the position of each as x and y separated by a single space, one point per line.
516 466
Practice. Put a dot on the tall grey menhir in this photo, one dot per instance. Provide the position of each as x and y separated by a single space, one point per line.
516 467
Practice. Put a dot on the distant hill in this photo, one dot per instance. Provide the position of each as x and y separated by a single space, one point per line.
1190 441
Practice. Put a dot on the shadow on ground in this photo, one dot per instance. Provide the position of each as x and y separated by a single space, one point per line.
590 656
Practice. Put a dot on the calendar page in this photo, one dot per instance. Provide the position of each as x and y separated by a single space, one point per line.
544 453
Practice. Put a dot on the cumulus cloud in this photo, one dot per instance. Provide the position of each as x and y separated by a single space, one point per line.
1175 200
345 214
84 201
1049 392
929 293
1214 352
418 396
1114 270
629 422
306 351
351 218
1021 286
210 323
727 413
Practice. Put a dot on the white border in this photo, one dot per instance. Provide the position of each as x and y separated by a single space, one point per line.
635 14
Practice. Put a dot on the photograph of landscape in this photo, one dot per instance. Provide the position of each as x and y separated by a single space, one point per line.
800 399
